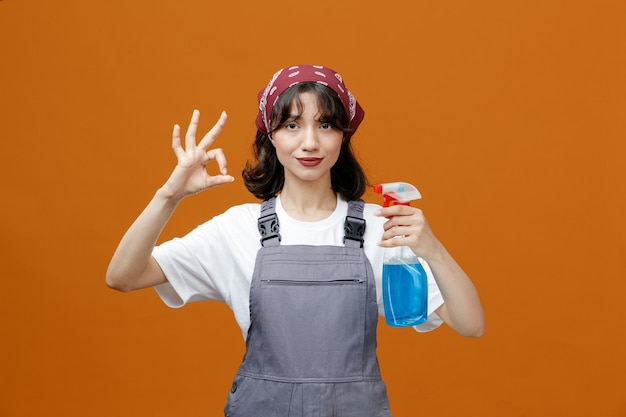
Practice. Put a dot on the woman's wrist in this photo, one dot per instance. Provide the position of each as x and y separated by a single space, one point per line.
168 196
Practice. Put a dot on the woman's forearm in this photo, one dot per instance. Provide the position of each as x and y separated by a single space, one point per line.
132 266
462 309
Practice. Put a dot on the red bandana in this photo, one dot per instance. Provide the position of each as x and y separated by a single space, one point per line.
286 77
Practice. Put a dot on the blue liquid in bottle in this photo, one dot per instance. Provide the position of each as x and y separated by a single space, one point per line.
405 294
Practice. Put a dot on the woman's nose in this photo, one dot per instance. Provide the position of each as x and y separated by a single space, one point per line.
309 140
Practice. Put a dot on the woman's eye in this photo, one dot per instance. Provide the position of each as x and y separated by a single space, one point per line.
326 126
291 126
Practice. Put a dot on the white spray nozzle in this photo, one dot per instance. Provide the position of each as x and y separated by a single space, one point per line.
398 192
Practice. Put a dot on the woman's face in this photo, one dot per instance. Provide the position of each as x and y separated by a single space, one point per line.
305 146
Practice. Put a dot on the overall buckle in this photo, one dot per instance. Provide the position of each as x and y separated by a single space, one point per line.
354 229
269 227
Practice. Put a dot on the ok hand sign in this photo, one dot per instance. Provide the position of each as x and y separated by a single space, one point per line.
190 175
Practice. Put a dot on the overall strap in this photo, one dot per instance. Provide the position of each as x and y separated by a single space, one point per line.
354 227
268 223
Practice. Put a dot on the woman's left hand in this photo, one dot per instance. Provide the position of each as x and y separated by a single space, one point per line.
407 226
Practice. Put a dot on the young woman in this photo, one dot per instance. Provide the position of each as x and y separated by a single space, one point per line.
302 270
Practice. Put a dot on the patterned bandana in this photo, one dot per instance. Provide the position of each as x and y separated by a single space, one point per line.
286 77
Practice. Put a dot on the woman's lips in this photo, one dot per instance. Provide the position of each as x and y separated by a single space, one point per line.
309 162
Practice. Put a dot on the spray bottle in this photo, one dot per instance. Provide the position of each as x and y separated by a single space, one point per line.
405 284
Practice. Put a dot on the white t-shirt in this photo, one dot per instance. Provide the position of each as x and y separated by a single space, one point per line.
215 261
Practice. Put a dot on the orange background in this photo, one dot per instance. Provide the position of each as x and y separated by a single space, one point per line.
508 115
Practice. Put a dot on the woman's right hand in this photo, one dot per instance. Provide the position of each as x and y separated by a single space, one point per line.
190 175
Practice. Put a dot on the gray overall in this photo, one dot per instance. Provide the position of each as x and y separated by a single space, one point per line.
311 346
